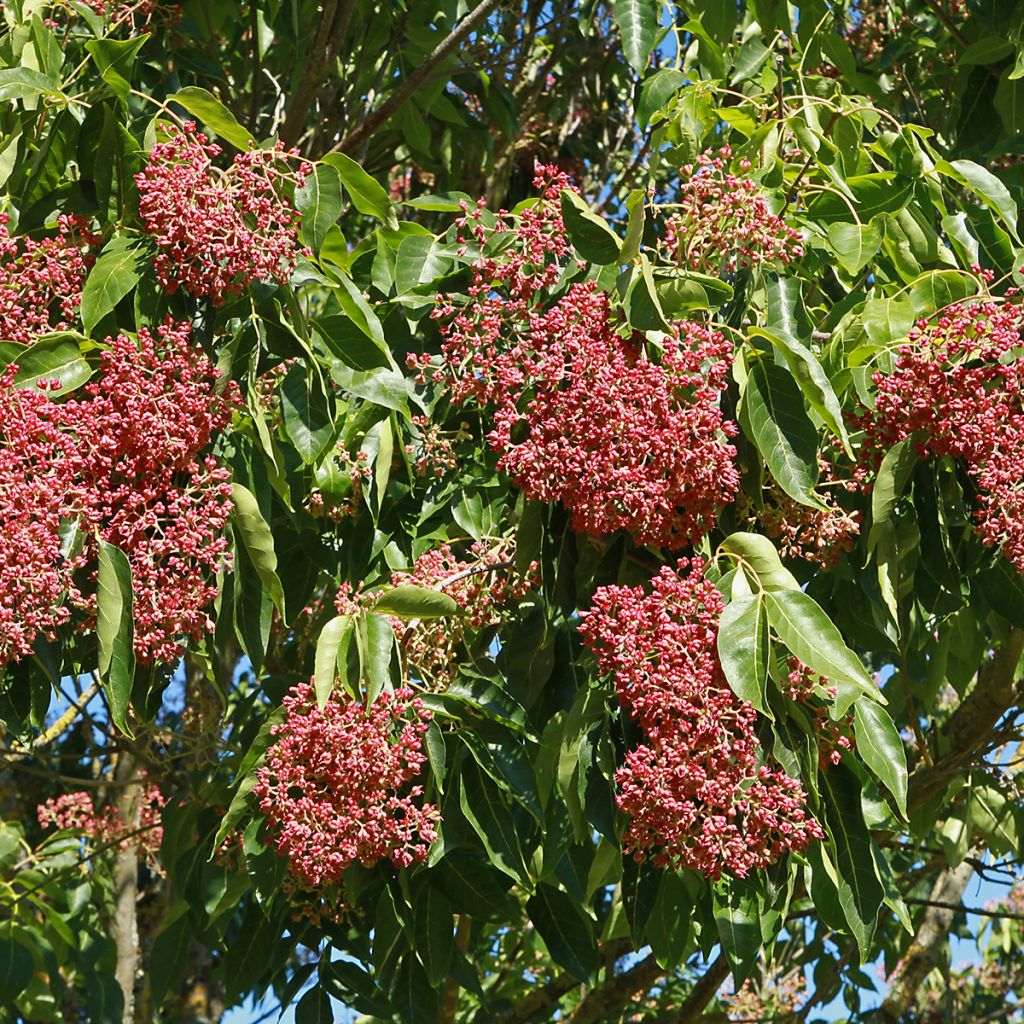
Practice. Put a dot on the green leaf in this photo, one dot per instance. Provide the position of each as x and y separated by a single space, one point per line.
782 431
359 311
203 104
634 226
115 631
641 302
668 926
566 930
104 1000
432 929
987 50
116 272
761 562
169 955
811 636
377 645
367 194
114 59
54 357
492 821
351 344
307 416
743 649
474 887
417 262
860 891
336 635
314 1008
892 477
23 83
258 541
589 234
854 244
881 749
787 331
736 914
985 185
15 967
408 601
679 290
655 92
386 388
318 200
637 21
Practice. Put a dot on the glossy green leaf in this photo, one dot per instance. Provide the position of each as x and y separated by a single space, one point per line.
115 631
880 747
258 541
637 21
408 601
350 343
743 649
367 194
318 200
566 930
53 358
433 933
679 290
169 956
114 59
201 103
314 1008
855 245
333 640
782 431
486 811
590 235
116 272
760 561
634 225
985 185
811 636
307 416
15 967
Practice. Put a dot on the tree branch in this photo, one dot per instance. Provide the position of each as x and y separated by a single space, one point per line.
400 96
616 992
704 991
327 40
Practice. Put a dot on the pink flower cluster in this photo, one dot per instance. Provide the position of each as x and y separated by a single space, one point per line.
35 479
41 280
123 463
696 793
821 536
804 685
219 230
481 587
959 383
581 414
722 221
105 827
336 784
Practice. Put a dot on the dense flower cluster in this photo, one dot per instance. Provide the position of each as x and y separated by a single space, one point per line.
809 689
41 280
336 784
35 456
104 826
957 384
123 463
822 536
481 586
144 484
582 415
696 793
721 221
219 230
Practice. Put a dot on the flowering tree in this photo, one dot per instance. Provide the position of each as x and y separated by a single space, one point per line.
510 511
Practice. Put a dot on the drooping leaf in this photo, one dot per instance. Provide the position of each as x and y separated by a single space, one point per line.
567 932
784 434
590 235
811 636
367 194
760 561
333 639
114 59
881 749
258 541
318 200
637 21
408 601
743 649
201 103
115 631
116 272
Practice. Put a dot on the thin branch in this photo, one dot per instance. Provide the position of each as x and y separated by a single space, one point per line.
400 96
981 911
56 730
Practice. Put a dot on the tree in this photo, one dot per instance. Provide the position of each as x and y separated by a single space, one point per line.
510 511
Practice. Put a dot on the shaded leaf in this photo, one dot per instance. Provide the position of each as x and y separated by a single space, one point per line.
115 631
